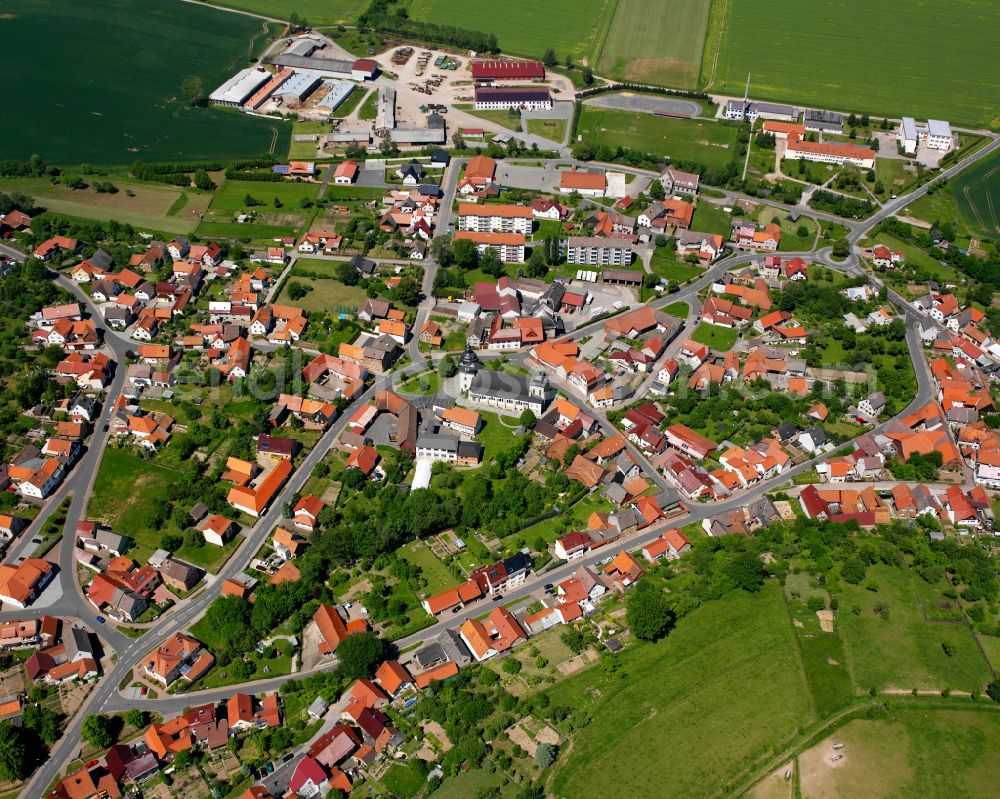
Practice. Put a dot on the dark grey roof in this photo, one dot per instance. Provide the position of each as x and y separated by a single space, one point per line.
431 441
441 157
364 265
470 449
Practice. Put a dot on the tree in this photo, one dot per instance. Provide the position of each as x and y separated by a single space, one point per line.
76 182
588 75
648 613
135 718
202 180
574 639
545 755
407 292
14 761
656 190
549 58
747 570
802 231
841 249
448 366
96 731
992 691
512 665
490 263
277 202
527 419
347 273
853 570
359 653
879 187
183 759
463 252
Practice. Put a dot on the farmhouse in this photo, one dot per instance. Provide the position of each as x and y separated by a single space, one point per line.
529 98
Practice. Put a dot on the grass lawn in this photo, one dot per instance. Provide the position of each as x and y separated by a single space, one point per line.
845 51
704 141
473 783
315 12
156 206
209 556
910 751
369 107
307 149
126 489
428 383
495 435
678 309
895 174
146 117
657 42
326 294
905 651
525 27
554 129
664 264
231 196
501 118
277 666
404 781
729 662
434 571
350 102
791 241
720 339
710 218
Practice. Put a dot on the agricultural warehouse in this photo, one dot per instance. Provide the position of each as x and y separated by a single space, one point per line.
503 97
239 88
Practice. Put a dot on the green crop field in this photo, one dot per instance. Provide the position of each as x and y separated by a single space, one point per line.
525 27
104 90
679 717
834 55
977 193
656 42
709 143
315 12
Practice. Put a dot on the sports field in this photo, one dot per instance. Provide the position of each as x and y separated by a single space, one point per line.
704 141
844 56
315 12
657 42
679 718
977 194
525 27
103 89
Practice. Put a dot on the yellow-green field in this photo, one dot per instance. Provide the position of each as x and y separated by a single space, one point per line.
657 42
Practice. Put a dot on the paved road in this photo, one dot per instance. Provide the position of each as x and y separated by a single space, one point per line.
11 252
106 696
